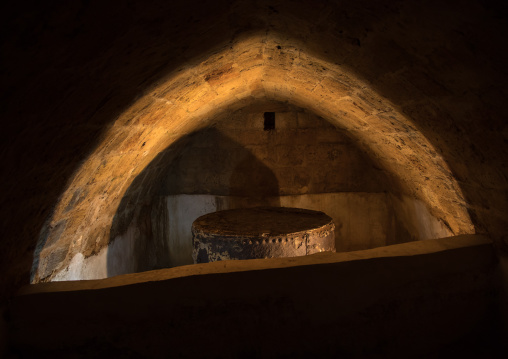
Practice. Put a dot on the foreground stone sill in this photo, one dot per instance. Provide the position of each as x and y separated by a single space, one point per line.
397 250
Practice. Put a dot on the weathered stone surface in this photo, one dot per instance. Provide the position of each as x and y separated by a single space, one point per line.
261 232
94 92
408 300
304 154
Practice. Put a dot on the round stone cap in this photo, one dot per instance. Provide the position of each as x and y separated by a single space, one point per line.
260 221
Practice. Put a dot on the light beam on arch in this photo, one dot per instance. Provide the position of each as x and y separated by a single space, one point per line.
254 68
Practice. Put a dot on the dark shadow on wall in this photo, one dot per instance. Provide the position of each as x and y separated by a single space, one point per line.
253 176
74 66
204 162
213 163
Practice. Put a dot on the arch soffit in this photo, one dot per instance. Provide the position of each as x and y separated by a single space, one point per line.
248 71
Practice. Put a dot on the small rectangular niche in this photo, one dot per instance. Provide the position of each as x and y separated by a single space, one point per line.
269 121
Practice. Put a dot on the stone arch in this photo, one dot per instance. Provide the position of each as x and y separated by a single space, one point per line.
253 68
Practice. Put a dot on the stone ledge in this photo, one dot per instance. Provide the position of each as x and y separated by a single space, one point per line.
397 250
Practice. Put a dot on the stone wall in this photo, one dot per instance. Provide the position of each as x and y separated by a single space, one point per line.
304 162
93 92
304 154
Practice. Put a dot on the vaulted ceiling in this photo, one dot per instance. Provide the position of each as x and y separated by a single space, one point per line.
93 92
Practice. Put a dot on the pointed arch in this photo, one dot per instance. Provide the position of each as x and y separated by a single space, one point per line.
187 99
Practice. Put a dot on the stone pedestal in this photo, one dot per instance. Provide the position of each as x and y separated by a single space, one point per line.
261 232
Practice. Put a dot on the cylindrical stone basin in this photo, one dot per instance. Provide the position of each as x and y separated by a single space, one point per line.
261 232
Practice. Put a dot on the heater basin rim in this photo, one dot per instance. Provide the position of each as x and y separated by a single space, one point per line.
261 223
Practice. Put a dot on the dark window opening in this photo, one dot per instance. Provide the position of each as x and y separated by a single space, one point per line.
269 121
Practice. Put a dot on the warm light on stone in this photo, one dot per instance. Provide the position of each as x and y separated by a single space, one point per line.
124 124
252 69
